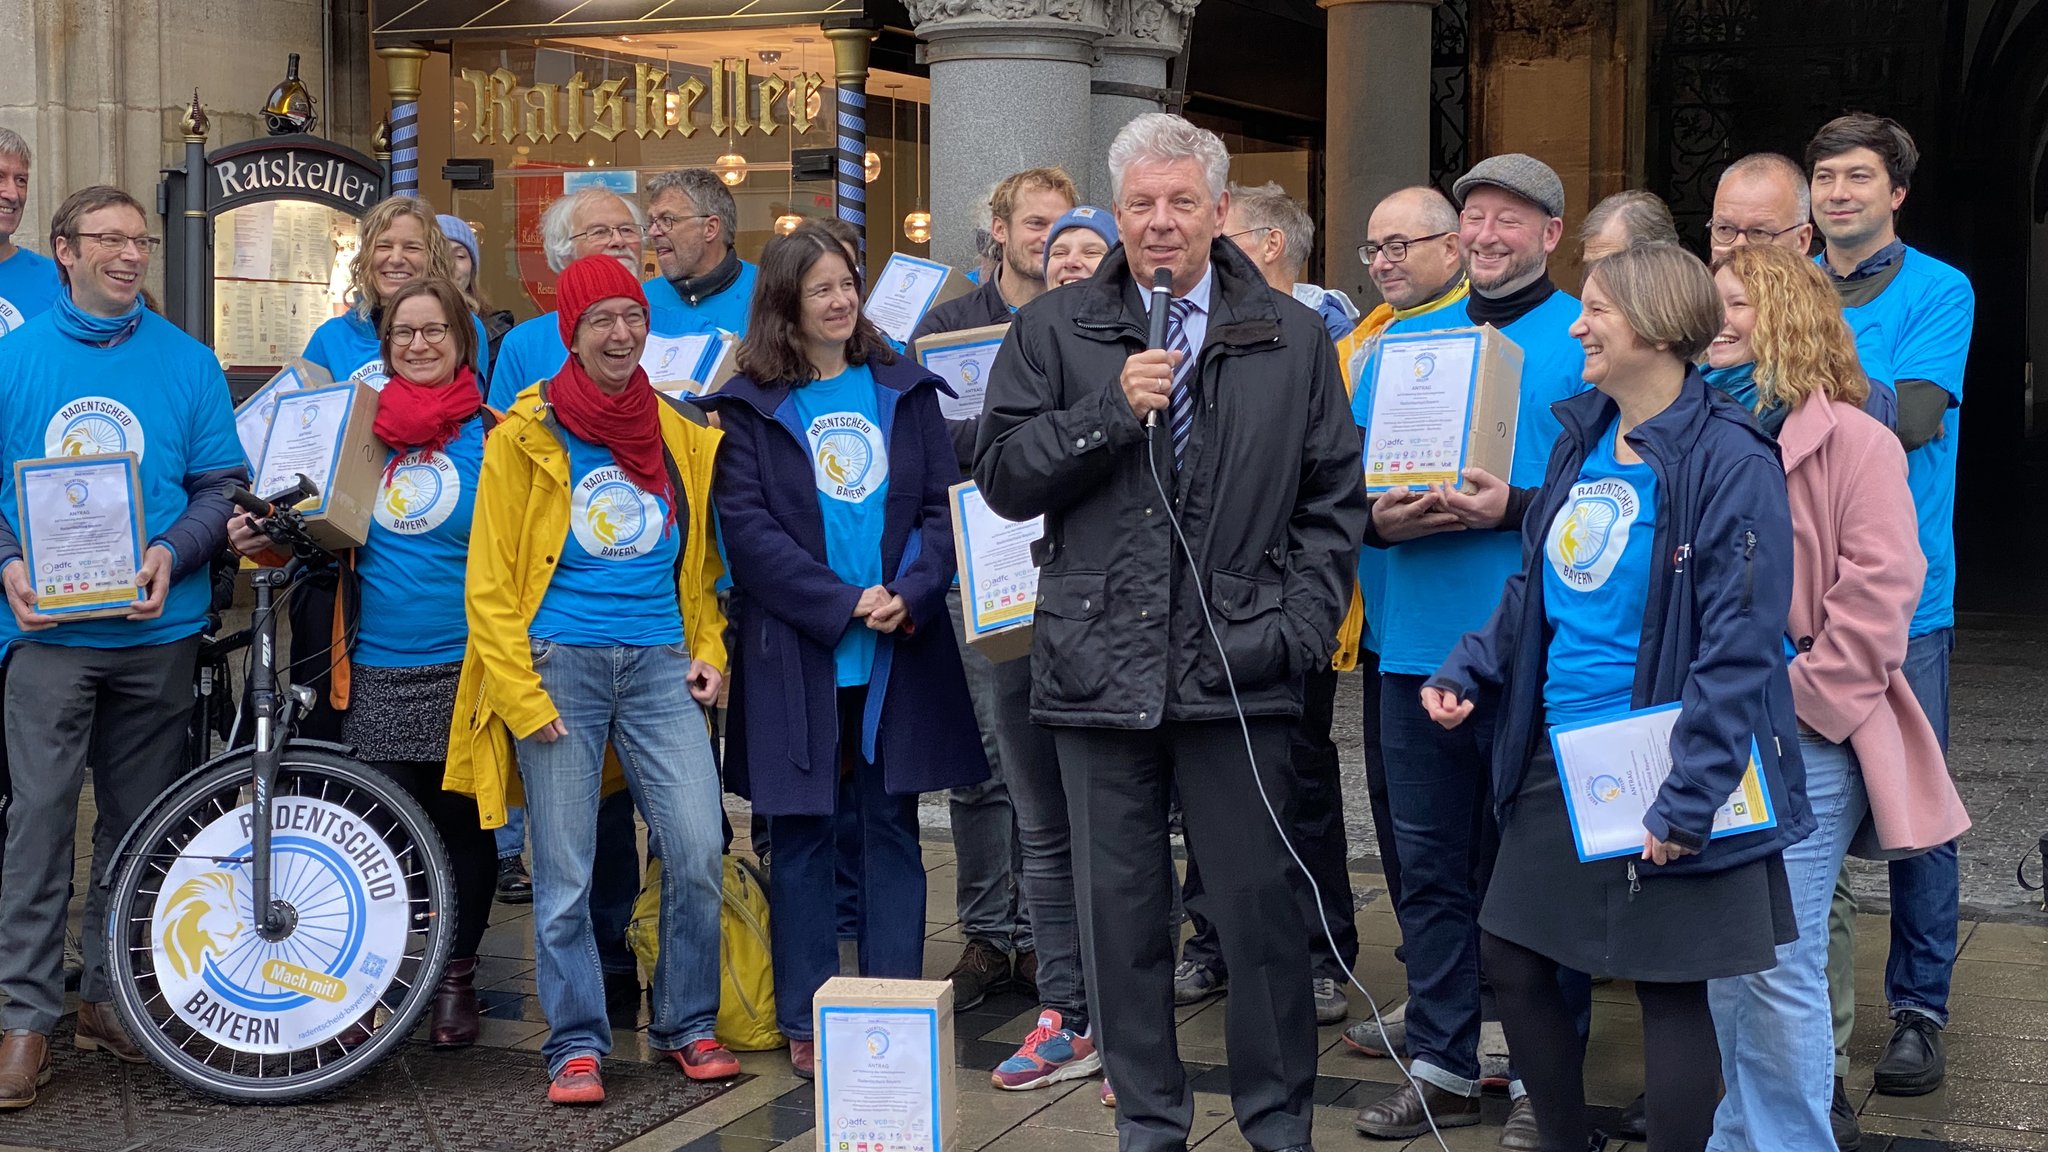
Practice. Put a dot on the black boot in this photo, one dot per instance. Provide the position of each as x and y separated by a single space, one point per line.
455 1022
1842 1114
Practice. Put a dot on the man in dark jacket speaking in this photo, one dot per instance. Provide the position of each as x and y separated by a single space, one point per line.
1255 455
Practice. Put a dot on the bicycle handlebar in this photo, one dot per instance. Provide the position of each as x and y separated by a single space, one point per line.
280 518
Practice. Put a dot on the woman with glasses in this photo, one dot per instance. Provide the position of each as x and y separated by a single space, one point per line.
832 496
594 623
402 631
1867 746
401 242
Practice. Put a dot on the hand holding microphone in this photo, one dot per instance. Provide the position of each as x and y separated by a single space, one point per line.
1148 375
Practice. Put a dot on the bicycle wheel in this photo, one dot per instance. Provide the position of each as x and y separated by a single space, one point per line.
371 910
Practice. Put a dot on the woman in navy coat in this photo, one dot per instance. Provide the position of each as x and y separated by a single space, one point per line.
831 488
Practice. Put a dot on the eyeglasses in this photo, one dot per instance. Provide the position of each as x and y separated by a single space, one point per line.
634 319
668 221
119 241
401 337
1725 233
1394 250
1248 231
605 232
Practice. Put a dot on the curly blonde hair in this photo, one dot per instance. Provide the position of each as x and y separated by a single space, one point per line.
377 221
1802 343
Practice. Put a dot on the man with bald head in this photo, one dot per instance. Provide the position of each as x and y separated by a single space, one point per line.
1761 199
1411 253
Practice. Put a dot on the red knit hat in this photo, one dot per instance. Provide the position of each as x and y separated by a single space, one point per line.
586 282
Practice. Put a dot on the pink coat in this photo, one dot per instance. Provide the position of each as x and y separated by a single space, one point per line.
1856 575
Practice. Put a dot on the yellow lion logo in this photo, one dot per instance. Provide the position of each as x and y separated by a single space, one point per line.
200 919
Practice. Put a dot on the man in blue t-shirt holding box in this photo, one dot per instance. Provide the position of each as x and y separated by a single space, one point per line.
1913 314
99 373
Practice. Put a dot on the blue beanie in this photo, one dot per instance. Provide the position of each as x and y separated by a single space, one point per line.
457 229
1096 220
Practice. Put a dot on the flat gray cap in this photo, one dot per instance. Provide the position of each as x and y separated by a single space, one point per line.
1524 175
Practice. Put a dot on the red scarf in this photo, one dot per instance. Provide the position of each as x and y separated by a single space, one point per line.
628 425
424 416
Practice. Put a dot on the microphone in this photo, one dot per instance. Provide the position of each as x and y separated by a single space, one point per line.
1162 295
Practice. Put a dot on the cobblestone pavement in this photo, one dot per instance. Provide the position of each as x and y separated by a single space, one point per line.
1996 1096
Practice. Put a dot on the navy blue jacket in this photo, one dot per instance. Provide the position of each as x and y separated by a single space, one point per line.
789 608
1713 635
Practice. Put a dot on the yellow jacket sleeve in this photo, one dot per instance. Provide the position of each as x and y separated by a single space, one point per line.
497 628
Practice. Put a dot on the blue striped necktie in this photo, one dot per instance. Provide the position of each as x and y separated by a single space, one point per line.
1181 405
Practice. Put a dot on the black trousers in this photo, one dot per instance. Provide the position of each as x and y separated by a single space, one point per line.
1376 773
1315 824
472 850
1117 784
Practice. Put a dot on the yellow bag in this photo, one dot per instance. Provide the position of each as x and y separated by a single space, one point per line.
746 972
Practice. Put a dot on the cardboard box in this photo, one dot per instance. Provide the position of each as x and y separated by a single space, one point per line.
998 580
252 416
1442 402
325 434
963 359
885 1065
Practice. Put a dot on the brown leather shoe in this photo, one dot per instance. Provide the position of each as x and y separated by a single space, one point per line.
1403 1115
99 1030
1519 1133
455 1018
24 1067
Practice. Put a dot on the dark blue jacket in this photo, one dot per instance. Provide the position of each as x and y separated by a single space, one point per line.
1713 635
789 608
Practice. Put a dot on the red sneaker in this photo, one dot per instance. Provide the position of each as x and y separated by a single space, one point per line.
577 1083
706 1060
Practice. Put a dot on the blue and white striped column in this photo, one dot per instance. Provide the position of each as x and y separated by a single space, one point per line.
850 42
402 71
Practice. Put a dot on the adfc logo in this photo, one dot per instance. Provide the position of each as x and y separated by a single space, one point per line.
202 919
420 493
93 426
612 517
349 914
847 456
1591 532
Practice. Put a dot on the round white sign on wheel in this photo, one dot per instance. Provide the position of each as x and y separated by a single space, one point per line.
347 896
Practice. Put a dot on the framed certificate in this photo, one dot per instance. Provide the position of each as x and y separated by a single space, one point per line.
81 533
963 360
903 293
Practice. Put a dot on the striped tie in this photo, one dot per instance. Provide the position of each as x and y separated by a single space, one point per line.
1181 406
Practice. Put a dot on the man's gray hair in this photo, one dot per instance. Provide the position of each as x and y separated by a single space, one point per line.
1269 206
11 144
704 190
1774 164
1645 218
1157 136
555 234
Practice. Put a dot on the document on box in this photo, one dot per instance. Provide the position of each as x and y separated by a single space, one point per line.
879 1076
1421 411
965 367
1612 770
1000 582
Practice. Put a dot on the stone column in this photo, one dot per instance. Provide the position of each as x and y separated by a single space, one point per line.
1130 77
1377 125
1009 91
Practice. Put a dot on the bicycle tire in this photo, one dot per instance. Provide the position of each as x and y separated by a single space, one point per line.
184 1034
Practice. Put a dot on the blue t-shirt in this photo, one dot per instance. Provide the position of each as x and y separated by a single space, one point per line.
533 351
1596 582
347 347
727 309
841 419
616 582
1919 328
28 286
159 394
1437 588
412 567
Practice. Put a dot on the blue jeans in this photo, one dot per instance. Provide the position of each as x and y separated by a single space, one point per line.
1926 889
1439 791
803 899
635 699
1776 1027
512 834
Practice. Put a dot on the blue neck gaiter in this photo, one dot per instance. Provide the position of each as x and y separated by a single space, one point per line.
100 331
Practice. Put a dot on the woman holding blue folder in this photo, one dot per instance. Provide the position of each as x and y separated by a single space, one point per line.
1658 570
